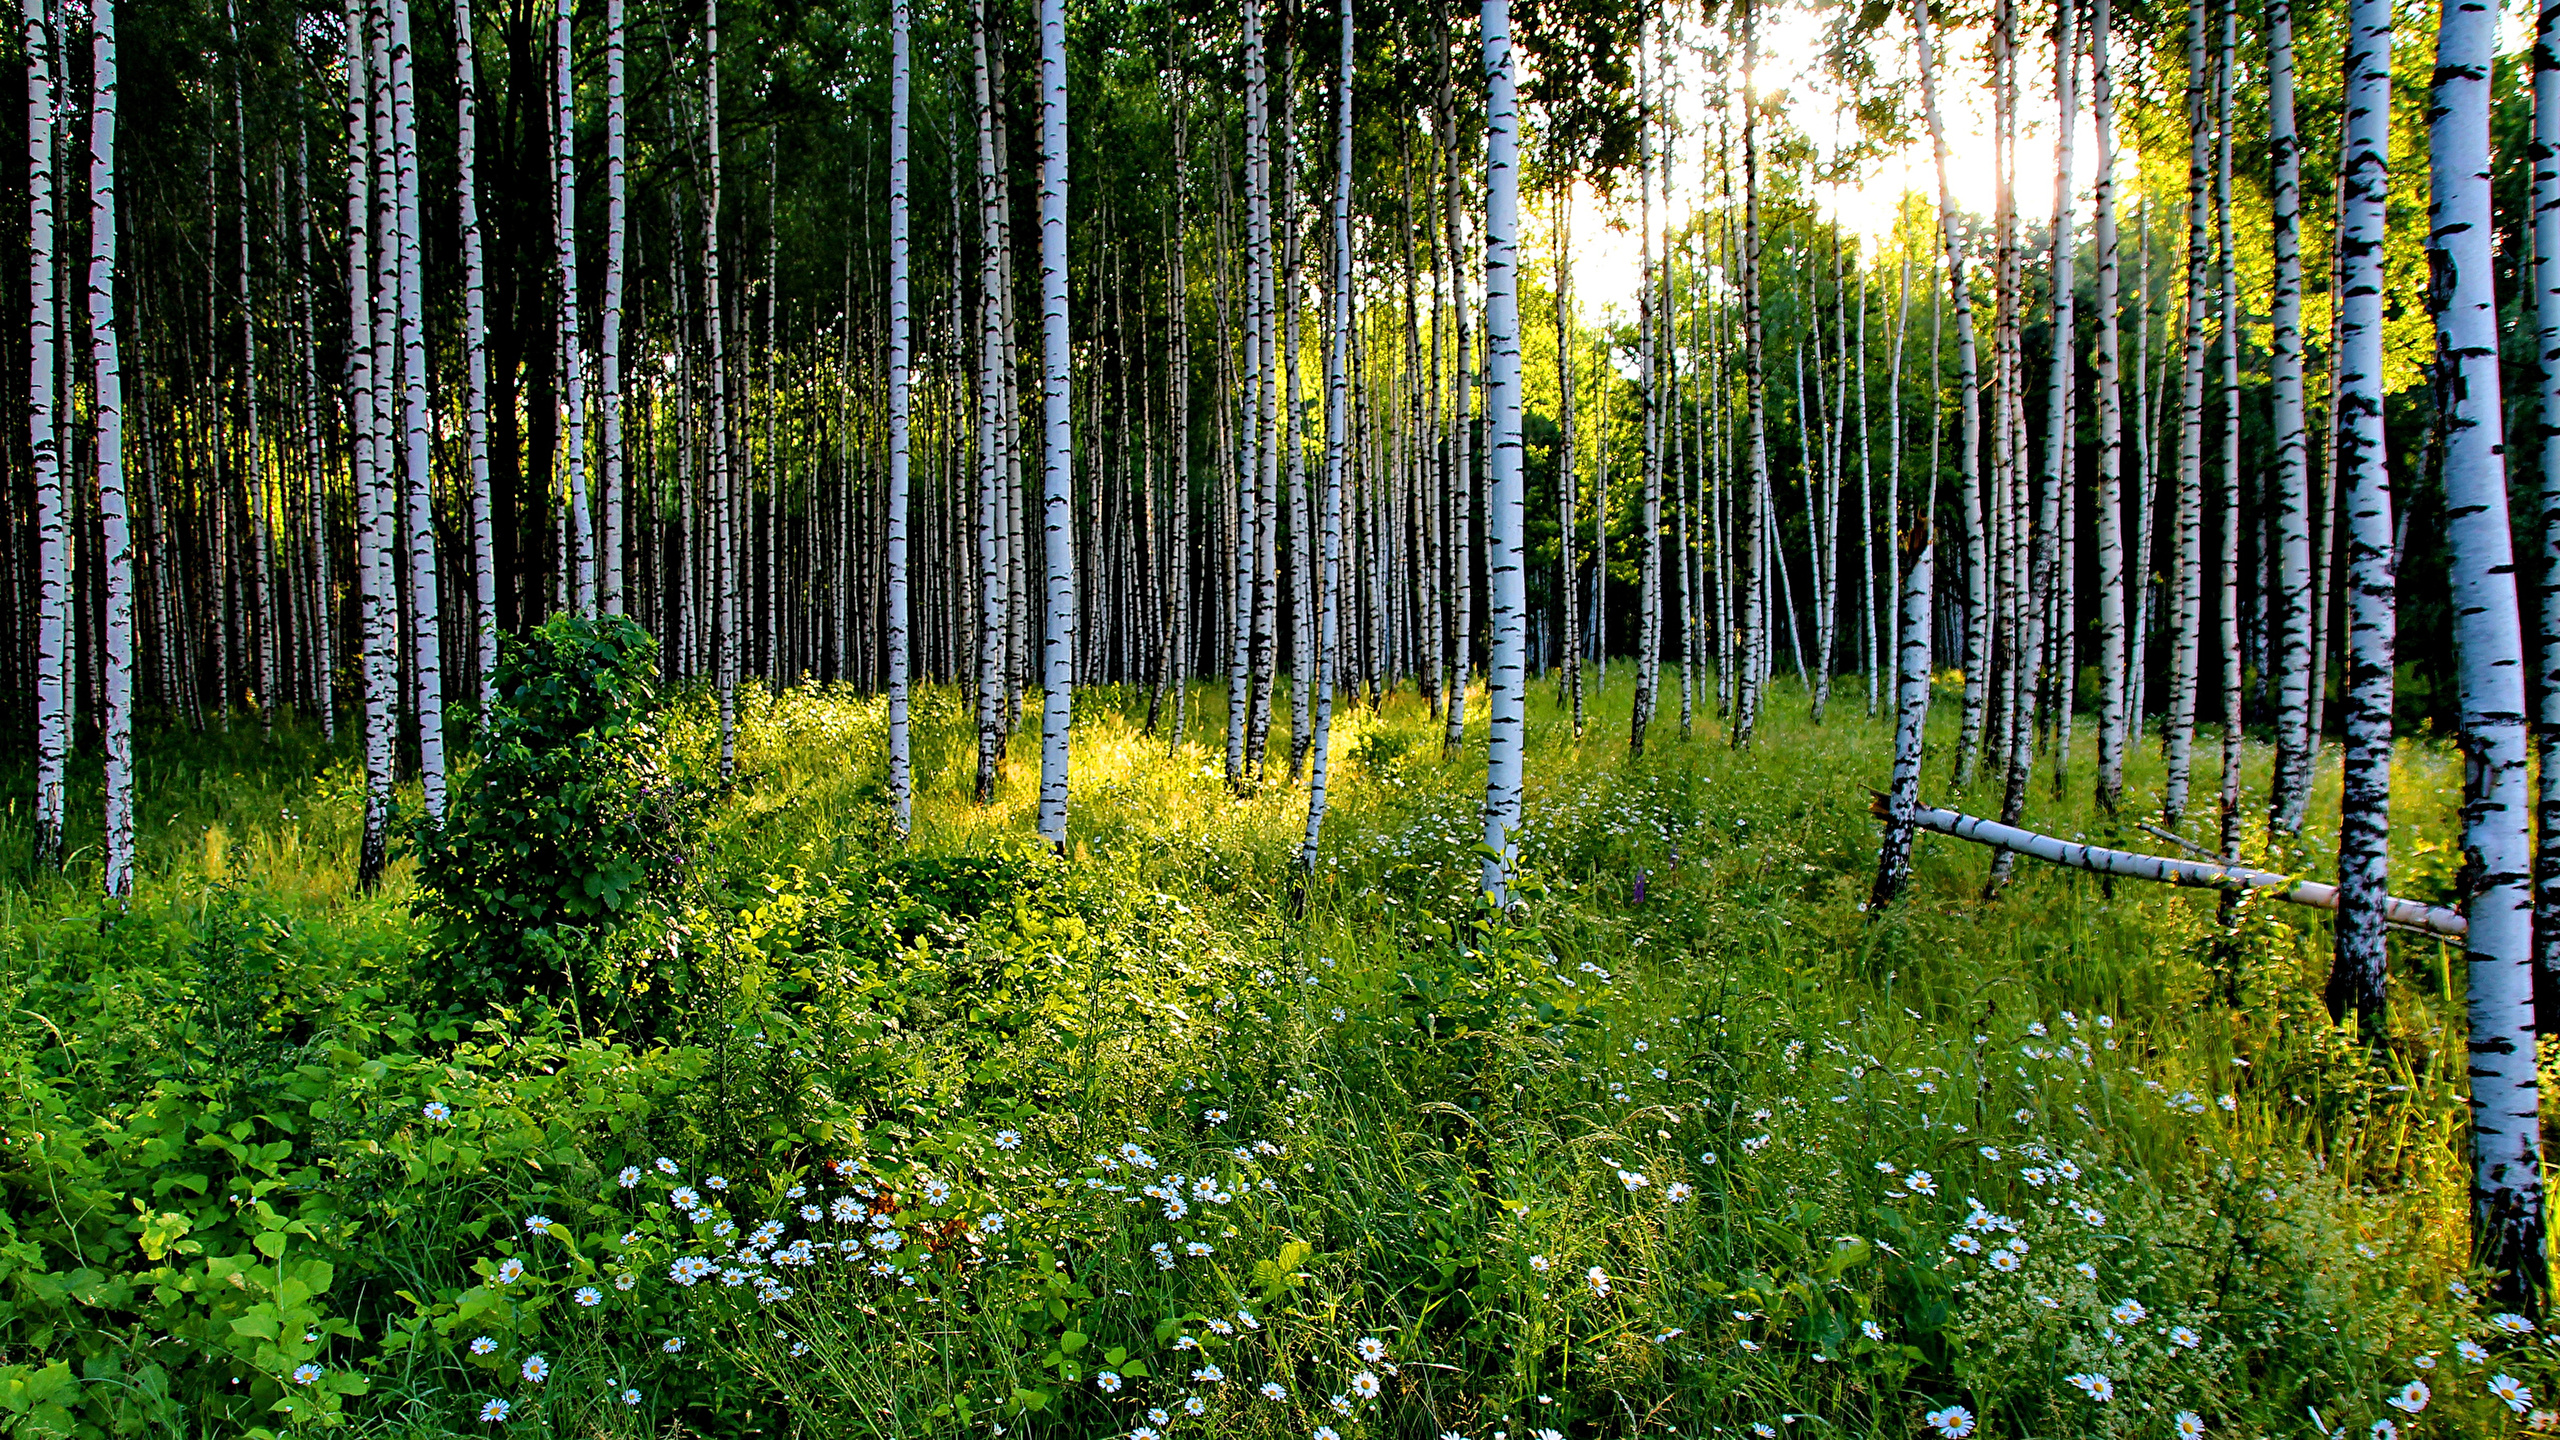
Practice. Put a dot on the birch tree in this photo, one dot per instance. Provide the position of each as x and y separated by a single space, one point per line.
53 521
2188 653
2545 155
1324 671
2364 814
2295 738
992 701
1506 521
115 721
2110 511
579 561
610 459
1968 416
901 770
1058 453
2506 1127
475 353
425 626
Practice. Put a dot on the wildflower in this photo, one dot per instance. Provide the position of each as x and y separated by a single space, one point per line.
630 1397
1008 1139
1964 1244
1209 1375
1274 1390
2510 1389
2542 1421
2097 1387
718 1182
2037 1176
1245 1319
2087 1270
1920 1183
483 1345
1195 1407
2413 1397
1886 1167
305 1373
1991 1153
2004 1261
588 1296
1633 1179
1677 1191
1144 1432
674 1345
625 1280
1108 1381
537 1224
1761 1428
685 1197
1365 1385
1955 1422
2511 1324
1216 1117
1163 1254
1371 1348
1599 1281
510 1270
629 1177
2470 1350
494 1411
536 1369
2383 1429
1158 1417
2129 1313
1196 1249
2190 1425
2425 1362
2048 1302
2184 1338
1872 1330
439 1112
1751 1347
2230 1103
1326 1432
1538 1263
936 1191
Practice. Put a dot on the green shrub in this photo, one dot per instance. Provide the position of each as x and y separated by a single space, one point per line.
568 825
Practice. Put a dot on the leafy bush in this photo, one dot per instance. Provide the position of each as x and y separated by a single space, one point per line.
569 823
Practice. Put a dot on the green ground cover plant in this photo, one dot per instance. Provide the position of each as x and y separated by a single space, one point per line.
833 1135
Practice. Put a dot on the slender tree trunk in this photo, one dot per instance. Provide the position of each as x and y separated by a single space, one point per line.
2545 153
2364 821
901 326
425 622
1648 367
2188 655
1506 522
2506 1129
1337 454
573 354
1058 456
2228 616
475 349
718 499
612 466
1568 479
364 352
992 599
2296 738
1751 547
52 509
115 719
2110 516
1968 424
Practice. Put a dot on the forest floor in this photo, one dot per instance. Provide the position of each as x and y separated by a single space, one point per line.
957 1137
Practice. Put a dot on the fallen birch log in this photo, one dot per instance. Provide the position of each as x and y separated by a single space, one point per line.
2432 919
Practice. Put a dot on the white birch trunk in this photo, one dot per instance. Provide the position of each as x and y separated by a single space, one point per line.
2364 819
416 475
53 524
364 353
2506 1128
580 561
2545 154
1968 421
992 600
2187 654
1750 547
723 604
475 348
901 323
2295 740
1058 453
115 720
2110 516
1506 521
611 461
1337 456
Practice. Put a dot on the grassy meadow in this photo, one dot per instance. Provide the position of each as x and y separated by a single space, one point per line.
956 1137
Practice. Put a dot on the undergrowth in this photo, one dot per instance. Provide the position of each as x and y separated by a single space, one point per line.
959 1136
